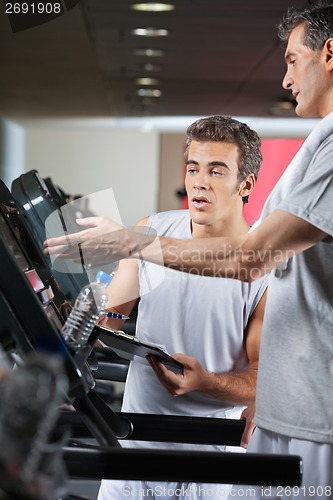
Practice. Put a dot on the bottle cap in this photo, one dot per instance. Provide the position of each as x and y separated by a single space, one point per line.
104 277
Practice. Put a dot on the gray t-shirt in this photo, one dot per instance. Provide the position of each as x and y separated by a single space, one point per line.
295 380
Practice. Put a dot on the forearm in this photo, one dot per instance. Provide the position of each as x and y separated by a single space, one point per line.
236 388
232 388
200 256
247 257
219 257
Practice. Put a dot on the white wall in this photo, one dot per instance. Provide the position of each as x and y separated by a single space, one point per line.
83 160
12 140
171 170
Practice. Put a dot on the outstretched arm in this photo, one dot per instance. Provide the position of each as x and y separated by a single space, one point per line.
280 236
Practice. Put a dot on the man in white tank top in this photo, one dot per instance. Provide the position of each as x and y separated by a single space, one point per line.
212 325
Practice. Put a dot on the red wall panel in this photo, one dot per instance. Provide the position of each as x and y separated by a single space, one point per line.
277 154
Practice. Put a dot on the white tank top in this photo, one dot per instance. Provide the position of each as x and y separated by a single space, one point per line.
199 316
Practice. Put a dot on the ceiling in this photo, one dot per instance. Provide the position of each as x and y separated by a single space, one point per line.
221 56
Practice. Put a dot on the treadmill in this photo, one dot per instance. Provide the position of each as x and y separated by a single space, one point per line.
30 323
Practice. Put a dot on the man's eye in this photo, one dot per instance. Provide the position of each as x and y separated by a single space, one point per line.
192 171
216 173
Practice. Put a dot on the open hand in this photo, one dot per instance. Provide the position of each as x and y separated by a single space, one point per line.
101 241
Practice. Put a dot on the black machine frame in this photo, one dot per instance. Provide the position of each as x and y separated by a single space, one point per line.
26 327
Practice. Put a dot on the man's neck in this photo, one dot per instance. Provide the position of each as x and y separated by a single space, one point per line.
223 228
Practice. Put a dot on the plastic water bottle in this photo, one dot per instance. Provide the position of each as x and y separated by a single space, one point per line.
89 306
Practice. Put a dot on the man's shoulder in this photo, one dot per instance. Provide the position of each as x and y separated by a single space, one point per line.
173 213
170 215
171 222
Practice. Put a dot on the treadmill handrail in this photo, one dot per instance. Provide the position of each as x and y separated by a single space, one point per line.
169 465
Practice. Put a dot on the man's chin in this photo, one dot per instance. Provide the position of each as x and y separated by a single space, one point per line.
302 113
201 220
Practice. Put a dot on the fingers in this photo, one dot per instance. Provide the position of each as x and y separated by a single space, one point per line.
99 222
247 434
157 366
167 377
89 221
53 244
183 358
63 251
53 249
61 242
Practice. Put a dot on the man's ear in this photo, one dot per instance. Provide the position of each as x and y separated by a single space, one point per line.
247 185
328 51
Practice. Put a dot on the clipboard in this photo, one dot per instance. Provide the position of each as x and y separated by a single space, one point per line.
127 347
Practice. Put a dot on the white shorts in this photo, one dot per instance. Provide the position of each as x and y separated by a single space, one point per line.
142 490
317 458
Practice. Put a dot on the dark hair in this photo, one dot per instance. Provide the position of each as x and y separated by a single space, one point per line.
220 128
317 21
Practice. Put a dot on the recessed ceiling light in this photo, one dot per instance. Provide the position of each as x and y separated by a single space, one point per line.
152 67
150 32
148 52
153 6
149 93
147 81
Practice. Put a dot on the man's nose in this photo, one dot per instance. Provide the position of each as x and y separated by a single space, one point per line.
287 81
201 181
